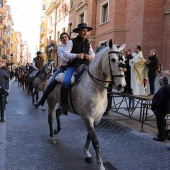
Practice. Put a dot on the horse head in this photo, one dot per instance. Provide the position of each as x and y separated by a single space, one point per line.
49 69
117 65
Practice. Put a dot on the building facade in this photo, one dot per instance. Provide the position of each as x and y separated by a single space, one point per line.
3 32
134 22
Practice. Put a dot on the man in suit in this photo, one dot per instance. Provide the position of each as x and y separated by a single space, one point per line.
159 107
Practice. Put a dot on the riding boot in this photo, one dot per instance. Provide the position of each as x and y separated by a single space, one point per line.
48 90
63 98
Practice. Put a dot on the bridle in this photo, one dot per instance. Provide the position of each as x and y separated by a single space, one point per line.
49 74
111 74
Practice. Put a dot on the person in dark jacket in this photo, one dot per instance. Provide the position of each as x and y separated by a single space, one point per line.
129 57
159 107
152 70
4 80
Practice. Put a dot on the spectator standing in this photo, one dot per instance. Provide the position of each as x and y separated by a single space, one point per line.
127 88
129 57
159 106
152 70
4 81
165 77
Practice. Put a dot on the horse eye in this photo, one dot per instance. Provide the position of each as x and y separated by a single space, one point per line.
113 60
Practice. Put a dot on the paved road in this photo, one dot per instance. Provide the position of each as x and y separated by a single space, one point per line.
25 144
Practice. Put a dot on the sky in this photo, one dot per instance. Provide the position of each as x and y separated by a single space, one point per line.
26 16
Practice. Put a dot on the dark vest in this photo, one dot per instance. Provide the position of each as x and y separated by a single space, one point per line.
39 62
79 46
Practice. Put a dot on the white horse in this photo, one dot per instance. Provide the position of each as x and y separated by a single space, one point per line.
88 98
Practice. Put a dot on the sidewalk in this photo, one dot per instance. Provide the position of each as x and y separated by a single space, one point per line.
149 128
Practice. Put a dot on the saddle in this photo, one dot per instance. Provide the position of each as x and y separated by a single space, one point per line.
75 77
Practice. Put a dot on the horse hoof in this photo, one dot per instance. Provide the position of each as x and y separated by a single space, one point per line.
53 141
43 108
89 160
56 131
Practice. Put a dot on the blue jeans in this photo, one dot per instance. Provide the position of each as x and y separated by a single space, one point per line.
152 79
53 82
68 75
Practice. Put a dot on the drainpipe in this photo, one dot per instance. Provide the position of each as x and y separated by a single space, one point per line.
95 19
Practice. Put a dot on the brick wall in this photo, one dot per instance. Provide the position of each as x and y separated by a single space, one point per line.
133 22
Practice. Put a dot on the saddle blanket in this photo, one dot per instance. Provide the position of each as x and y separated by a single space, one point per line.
75 77
60 77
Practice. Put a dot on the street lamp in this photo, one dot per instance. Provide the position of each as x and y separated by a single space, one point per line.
11 60
50 50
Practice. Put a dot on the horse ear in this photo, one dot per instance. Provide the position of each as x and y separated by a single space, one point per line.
122 47
110 43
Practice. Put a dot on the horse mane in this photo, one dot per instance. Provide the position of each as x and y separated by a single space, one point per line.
42 70
97 56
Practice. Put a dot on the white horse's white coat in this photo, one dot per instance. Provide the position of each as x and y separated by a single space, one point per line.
89 97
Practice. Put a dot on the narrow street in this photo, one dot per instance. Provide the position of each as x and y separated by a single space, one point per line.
25 143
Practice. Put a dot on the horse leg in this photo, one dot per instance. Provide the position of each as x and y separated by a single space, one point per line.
23 85
95 142
88 157
50 122
58 114
37 95
33 94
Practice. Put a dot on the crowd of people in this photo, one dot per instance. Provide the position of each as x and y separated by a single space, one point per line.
139 71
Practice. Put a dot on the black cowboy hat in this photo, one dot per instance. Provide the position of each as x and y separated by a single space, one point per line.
80 26
38 52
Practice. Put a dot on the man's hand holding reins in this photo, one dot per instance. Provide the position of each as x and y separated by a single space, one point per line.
88 57
80 56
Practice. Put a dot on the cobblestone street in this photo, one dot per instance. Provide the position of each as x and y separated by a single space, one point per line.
25 143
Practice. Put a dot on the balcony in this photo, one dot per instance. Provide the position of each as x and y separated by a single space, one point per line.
4 57
42 32
1 8
1 42
5 14
5 31
5 44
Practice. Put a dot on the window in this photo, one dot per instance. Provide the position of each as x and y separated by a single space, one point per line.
0 34
58 35
103 44
43 6
63 29
59 14
69 29
1 2
71 4
51 20
82 18
104 14
0 18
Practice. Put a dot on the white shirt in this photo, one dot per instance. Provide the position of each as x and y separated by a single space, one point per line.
66 56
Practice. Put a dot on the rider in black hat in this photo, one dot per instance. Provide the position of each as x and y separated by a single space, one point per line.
37 64
84 53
